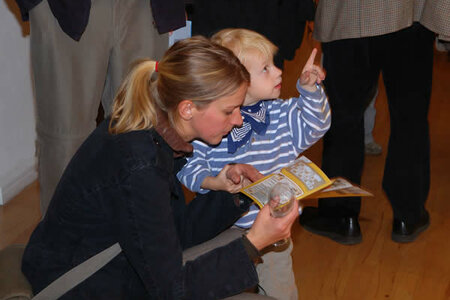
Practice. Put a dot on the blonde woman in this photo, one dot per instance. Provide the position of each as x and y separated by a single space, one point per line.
120 187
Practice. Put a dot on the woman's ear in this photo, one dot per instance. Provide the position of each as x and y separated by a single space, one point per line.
185 109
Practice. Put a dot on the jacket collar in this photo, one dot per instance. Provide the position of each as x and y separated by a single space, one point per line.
169 134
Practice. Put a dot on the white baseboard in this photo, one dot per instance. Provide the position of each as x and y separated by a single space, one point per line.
15 183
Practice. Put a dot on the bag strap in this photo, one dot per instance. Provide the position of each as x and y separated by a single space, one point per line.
78 274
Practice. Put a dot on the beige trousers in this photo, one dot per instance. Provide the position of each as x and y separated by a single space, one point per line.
276 274
71 78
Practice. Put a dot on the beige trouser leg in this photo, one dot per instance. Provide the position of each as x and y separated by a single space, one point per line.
276 275
71 78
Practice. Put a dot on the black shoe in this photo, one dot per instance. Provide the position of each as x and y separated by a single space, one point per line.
344 230
403 232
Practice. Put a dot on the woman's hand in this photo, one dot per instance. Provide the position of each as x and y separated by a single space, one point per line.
267 230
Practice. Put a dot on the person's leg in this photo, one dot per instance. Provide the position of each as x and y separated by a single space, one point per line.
69 78
369 120
276 274
370 146
407 72
351 81
134 37
220 240
352 77
249 296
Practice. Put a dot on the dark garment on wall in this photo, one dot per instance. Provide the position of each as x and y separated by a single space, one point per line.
73 16
281 21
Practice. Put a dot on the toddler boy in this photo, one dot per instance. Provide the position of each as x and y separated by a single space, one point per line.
274 132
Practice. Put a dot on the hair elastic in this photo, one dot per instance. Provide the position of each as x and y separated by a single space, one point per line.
156 66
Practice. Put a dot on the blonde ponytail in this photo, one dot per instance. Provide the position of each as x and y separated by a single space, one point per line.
134 105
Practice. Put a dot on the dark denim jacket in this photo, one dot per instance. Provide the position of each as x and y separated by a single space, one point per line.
122 188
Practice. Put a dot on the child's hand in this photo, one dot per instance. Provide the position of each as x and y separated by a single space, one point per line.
239 172
222 183
232 178
311 74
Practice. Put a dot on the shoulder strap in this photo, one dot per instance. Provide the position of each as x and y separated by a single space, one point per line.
75 276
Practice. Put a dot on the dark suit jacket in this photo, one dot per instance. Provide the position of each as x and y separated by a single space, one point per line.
281 21
73 15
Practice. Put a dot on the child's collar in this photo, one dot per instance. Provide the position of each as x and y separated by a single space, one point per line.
255 118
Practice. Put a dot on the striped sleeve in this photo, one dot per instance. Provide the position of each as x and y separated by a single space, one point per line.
196 169
247 220
309 117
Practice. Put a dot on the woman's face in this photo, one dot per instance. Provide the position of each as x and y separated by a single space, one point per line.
215 120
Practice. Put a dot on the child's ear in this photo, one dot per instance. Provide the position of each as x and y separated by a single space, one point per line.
185 109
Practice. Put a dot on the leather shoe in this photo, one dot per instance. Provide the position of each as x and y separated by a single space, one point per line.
405 232
344 230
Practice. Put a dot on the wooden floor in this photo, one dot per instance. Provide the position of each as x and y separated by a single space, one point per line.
375 269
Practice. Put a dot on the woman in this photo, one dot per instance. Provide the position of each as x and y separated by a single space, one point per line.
120 187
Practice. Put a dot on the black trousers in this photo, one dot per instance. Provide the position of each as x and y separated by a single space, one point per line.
353 66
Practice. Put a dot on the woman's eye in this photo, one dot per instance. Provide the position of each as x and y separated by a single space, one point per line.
228 113
265 69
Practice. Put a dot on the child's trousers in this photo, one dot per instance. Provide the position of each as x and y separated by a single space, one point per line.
276 274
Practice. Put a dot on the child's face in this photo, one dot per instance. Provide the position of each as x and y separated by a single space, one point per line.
265 78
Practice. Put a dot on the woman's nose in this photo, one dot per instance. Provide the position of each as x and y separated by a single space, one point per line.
237 118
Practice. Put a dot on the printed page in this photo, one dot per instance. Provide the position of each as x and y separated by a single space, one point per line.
341 187
307 175
302 176
259 191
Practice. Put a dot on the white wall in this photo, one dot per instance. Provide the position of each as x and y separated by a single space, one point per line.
17 120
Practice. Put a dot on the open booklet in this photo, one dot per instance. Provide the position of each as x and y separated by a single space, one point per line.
306 179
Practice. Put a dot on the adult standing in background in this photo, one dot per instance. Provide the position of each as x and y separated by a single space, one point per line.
360 39
80 51
282 22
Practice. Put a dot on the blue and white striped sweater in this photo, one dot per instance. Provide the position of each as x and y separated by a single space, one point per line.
295 125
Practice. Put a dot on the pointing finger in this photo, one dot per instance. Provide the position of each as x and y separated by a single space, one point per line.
311 58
